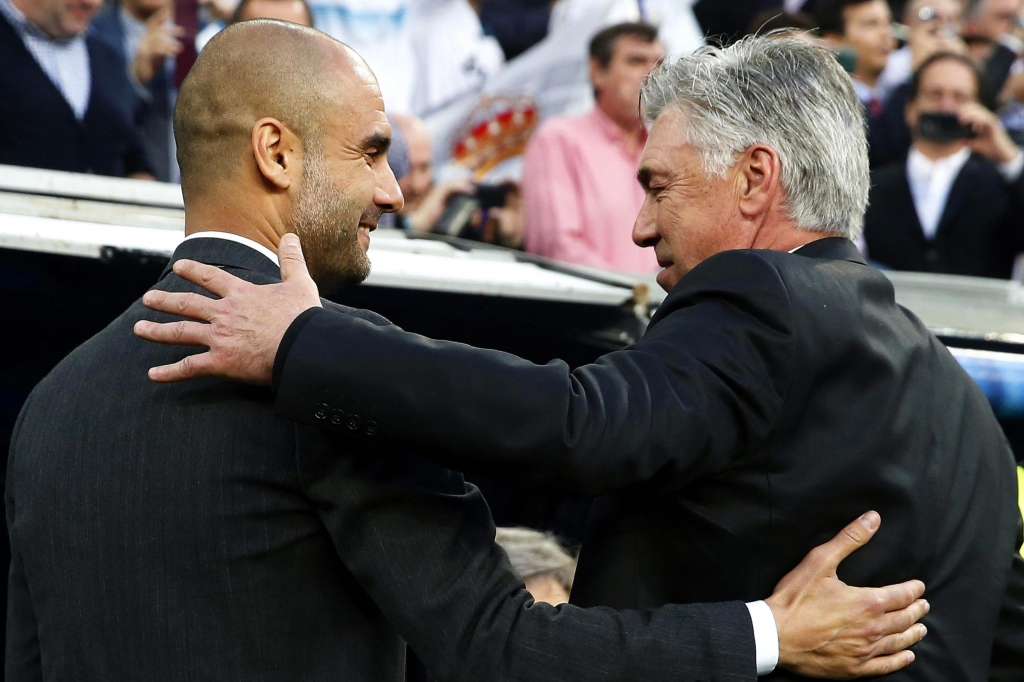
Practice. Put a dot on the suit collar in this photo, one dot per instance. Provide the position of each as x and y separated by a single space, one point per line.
832 248
224 254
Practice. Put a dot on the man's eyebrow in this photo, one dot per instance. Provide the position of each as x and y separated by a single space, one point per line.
643 176
378 141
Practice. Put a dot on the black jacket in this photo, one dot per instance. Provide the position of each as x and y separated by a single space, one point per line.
774 398
980 232
183 532
39 128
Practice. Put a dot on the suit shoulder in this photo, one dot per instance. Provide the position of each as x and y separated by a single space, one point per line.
739 275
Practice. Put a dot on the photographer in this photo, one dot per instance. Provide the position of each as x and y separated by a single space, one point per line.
457 208
956 204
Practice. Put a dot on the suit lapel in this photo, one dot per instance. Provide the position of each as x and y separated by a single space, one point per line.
31 63
905 200
959 194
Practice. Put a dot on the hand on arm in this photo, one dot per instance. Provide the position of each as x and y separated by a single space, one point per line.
242 329
833 630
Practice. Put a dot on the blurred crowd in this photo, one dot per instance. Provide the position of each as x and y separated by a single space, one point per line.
88 86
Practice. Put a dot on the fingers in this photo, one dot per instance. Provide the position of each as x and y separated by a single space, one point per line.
895 643
883 665
896 622
293 263
211 278
182 333
196 306
896 597
189 367
849 539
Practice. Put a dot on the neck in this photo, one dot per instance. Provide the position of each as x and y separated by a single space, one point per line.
202 216
869 79
631 126
778 233
935 151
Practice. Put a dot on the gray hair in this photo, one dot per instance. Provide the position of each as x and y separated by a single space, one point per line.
534 554
785 93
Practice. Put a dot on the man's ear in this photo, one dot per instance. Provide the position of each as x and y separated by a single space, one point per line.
277 152
759 180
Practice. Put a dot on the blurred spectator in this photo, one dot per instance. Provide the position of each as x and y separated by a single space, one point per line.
518 25
579 184
955 205
295 11
451 55
426 202
995 37
540 561
935 26
861 30
142 33
775 19
65 100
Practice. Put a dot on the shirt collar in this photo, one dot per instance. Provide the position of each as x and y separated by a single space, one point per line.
920 165
238 239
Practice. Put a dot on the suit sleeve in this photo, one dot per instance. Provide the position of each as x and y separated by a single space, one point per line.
707 379
1008 646
22 662
421 543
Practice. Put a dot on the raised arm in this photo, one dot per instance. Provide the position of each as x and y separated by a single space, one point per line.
707 379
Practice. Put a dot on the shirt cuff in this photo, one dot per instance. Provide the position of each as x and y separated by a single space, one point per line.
1011 169
766 637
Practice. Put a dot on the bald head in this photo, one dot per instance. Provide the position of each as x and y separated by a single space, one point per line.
250 71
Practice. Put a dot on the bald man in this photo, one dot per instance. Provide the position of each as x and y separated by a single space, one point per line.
183 531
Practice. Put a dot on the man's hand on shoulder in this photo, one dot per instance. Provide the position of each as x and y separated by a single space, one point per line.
242 329
829 629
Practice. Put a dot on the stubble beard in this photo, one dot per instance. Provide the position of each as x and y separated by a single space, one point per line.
325 219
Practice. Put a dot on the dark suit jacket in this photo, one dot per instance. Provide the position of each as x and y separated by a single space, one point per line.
774 398
183 532
980 232
155 111
40 128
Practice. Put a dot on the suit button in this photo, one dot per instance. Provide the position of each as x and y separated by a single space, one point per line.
354 422
932 256
321 411
338 417
371 428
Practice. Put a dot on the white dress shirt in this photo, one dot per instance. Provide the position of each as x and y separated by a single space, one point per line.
66 62
766 632
930 183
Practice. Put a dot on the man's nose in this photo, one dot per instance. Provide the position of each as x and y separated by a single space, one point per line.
388 195
645 232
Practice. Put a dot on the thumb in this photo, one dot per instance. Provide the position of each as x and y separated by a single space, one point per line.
293 263
849 539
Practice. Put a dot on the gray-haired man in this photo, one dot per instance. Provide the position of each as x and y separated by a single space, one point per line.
778 391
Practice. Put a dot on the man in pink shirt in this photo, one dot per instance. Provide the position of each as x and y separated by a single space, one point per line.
580 192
